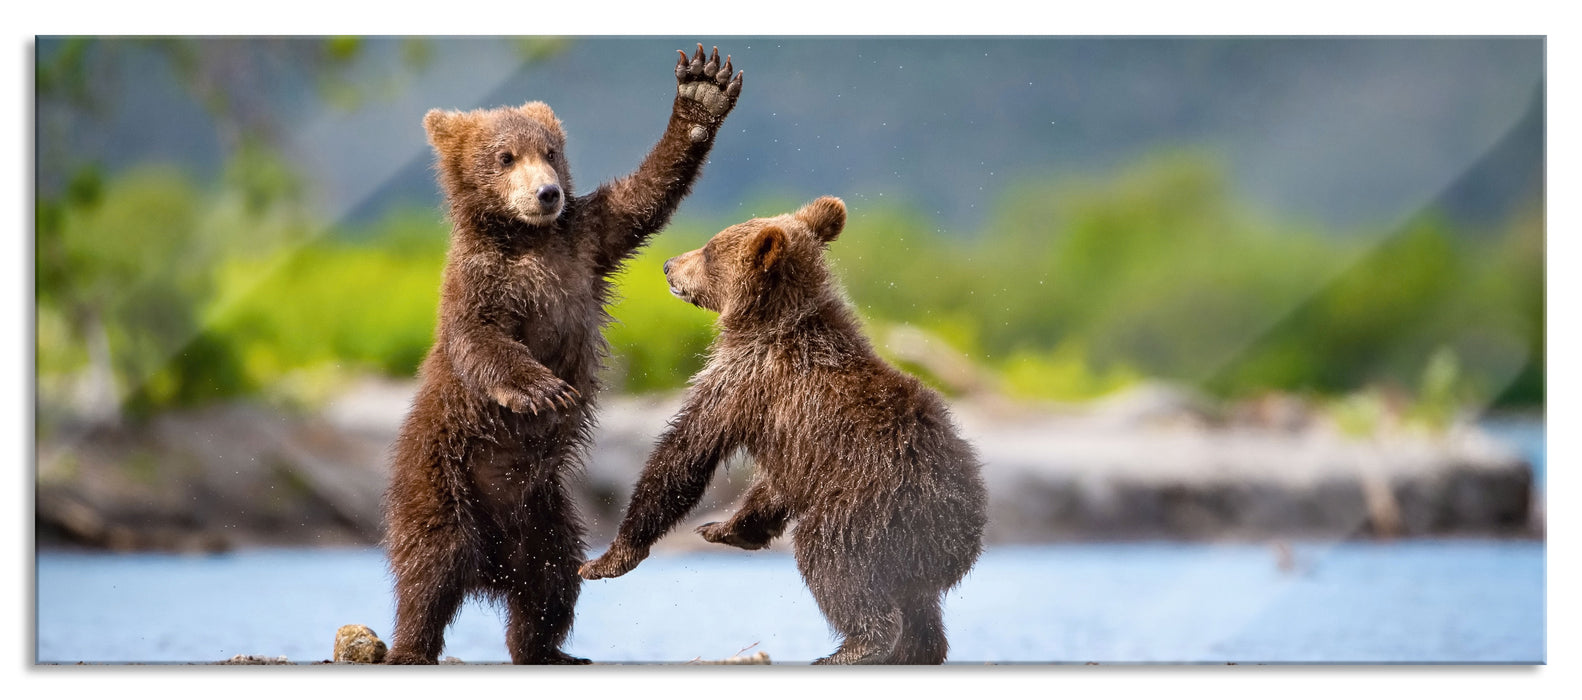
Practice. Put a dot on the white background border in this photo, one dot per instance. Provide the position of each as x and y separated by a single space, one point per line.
812 17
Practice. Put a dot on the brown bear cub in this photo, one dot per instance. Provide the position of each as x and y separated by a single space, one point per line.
477 502
887 496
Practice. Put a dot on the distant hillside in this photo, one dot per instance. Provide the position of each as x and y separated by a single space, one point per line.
1344 131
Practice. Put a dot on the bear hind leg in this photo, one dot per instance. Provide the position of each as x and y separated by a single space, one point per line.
922 638
761 518
869 623
540 617
541 595
869 638
430 586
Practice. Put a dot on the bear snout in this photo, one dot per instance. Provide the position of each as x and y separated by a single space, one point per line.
549 195
687 279
534 191
675 290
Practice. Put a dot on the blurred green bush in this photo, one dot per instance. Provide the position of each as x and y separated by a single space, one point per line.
1074 288
657 340
350 302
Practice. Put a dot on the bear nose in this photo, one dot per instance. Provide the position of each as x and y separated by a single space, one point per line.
668 263
548 195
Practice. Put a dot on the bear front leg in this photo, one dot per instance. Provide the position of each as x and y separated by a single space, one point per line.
621 558
670 486
761 518
506 372
634 207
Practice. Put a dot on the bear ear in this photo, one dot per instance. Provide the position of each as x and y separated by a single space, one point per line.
443 127
540 112
826 216
765 247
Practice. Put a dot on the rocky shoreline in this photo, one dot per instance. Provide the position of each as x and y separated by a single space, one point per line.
1153 463
359 645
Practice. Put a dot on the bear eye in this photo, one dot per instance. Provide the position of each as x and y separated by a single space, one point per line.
506 159
550 156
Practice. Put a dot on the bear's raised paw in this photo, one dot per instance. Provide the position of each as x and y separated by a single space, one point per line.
705 85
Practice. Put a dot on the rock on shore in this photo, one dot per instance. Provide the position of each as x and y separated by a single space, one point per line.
1083 478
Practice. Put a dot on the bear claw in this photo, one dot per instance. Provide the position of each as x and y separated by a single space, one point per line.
706 82
547 395
719 533
615 562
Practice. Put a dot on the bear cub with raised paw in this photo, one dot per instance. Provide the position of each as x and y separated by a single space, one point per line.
477 501
886 495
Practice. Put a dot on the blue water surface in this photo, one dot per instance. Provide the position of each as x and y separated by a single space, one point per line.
1414 601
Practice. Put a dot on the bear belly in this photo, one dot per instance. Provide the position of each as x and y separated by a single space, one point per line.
505 473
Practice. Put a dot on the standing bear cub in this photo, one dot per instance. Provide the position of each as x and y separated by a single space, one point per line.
887 496
477 501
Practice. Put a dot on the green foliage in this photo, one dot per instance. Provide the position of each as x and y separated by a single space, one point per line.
1359 415
135 271
1065 374
416 52
264 183
112 263
64 74
1077 288
535 49
1438 397
657 340
181 292
363 306
1081 286
1517 272
342 48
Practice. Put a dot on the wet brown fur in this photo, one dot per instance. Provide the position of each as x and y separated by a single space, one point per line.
887 497
477 501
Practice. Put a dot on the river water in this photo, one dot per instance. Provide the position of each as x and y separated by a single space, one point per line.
1419 601
1415 601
